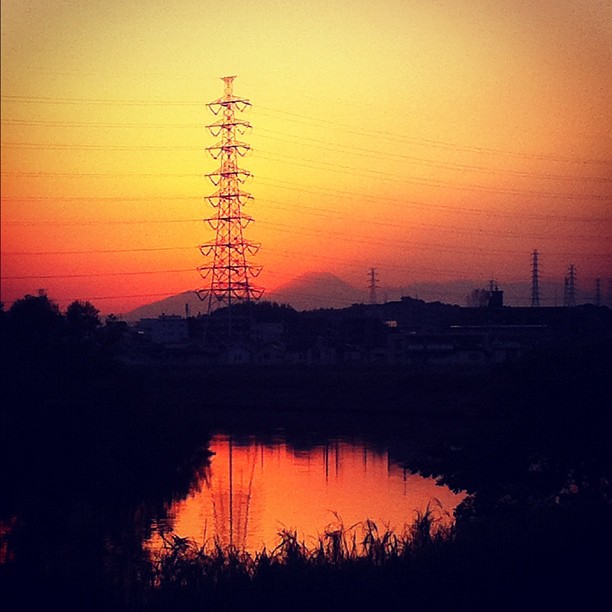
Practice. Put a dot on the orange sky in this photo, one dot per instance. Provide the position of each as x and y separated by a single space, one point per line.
433 141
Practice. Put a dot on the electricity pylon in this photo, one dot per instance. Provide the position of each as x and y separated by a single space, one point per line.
229 270
570 286
598 291
373 285
535 279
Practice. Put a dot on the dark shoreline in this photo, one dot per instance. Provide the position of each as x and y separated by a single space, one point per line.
102 443
364 389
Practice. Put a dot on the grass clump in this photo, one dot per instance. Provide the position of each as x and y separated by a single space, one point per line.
558 562
344 567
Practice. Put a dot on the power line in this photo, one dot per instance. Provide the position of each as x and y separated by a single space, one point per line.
317 212
87 198
322 212
99 174
98 101
398 178
370 153
305 294
111 297
345 237
403 243
395 178
286 227
305 119
35 146
96 274
433 143
97 124
97 252
400 202
335 193
352 150
98 222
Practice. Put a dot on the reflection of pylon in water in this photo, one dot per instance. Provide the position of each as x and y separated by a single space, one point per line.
231 495
229 272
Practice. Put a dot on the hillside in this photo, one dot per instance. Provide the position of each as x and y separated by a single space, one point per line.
306 292
326 290
317 290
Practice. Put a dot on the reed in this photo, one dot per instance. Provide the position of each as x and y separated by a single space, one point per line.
427 565
183 572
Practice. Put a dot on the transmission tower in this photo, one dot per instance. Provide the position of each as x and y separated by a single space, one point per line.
535 279
229 272
373 285
598 291
570 286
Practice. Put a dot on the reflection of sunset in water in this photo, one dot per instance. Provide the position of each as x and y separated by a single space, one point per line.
251 491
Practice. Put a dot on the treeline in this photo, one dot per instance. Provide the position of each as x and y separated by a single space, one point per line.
90 454
61 391
37 337
70 408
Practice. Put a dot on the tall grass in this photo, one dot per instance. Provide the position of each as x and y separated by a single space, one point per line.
559 562
293 574
336 545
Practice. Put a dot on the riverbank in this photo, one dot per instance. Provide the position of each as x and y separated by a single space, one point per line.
501 565
92 453
358 389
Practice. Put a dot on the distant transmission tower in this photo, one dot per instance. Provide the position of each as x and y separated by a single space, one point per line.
598 291
535 279
229 271
570 286
373 285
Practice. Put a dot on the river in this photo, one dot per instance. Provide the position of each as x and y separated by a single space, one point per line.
256 487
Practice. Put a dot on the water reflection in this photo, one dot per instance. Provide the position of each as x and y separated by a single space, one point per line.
252 489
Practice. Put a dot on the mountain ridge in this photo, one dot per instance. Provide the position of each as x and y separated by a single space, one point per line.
313 290
305 292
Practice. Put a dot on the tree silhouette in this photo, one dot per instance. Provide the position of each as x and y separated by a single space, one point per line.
83 318
35 319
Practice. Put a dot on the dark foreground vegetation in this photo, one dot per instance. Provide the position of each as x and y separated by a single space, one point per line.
550 561
92 452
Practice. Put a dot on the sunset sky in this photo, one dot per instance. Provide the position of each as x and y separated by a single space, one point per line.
432 140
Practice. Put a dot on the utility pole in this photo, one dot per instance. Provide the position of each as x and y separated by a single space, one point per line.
535 279
229 272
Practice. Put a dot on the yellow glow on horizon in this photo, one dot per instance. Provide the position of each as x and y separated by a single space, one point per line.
432 141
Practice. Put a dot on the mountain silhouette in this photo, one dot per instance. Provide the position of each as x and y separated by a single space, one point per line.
317 290
181 304
326 290
306 292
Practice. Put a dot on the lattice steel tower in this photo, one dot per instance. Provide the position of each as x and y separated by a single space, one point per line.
229 272
598 291
535 279
570 286
373 285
